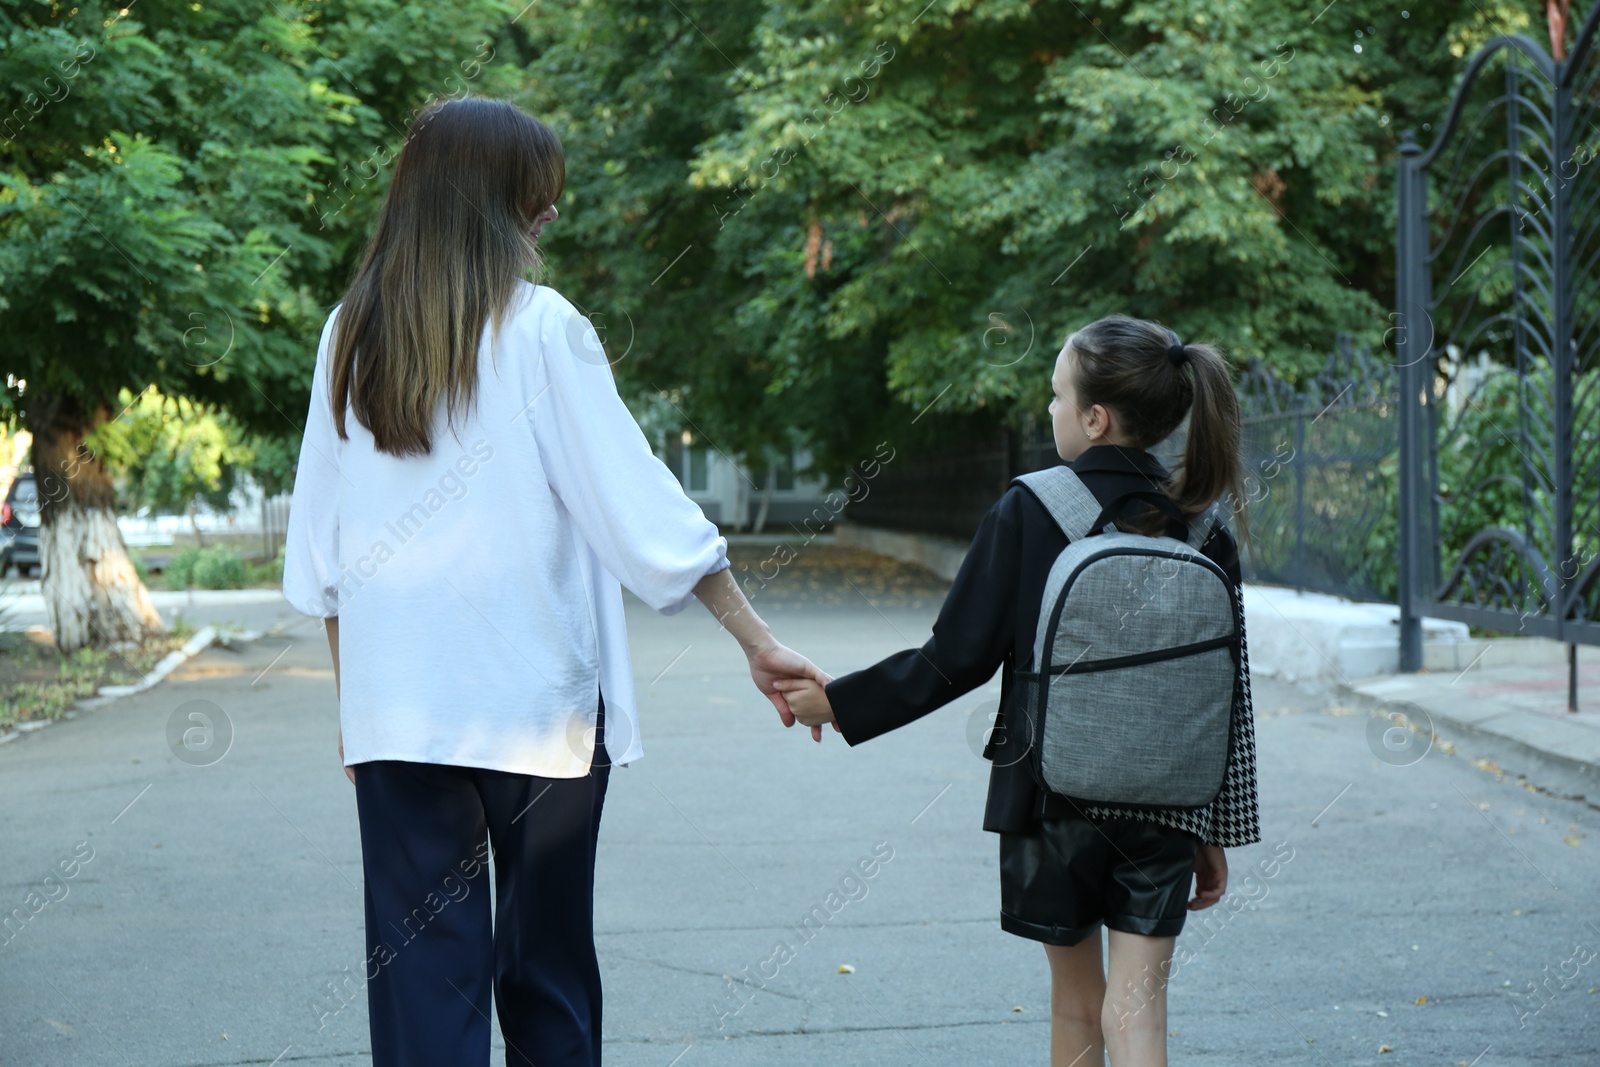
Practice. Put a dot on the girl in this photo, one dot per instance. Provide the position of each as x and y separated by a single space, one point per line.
1121 386
470 490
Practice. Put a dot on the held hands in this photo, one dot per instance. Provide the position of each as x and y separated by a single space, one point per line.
777 669
809 703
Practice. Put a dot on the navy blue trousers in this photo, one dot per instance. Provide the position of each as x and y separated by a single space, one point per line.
427 834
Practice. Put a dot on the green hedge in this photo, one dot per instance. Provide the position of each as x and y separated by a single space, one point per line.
216 567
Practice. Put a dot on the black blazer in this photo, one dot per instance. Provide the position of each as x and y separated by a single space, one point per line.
988 621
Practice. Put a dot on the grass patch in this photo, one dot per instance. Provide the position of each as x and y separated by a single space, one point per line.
39 683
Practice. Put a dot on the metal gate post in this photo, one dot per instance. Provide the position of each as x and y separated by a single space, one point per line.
1413 347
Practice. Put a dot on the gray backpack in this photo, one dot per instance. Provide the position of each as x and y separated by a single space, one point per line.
1136 658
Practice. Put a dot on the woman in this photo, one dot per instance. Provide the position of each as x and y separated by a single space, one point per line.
470 490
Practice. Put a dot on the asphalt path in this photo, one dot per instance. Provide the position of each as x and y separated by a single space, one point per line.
1409 904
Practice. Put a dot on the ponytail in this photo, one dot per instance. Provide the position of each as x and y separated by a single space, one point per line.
1140 371
1211 470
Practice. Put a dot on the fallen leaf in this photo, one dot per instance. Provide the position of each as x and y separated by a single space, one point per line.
845 968
1573 839
1422 1000
1385 1048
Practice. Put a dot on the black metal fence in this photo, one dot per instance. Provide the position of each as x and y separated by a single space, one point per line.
945 493
1320 475
1499 308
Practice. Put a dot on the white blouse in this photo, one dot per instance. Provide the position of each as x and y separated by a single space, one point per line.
477 587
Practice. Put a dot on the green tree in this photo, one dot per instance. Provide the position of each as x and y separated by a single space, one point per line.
170 454
183 188
898 209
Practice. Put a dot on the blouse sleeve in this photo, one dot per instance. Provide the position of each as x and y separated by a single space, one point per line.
624 501
311 551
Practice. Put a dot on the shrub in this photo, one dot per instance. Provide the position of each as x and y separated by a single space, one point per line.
216 567
179 572
268 574
219 568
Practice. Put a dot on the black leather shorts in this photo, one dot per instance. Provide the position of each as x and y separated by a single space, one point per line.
1062 878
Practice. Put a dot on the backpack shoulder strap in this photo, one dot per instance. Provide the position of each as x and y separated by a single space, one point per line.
1074 507
1069 501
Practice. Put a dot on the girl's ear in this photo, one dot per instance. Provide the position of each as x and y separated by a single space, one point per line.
1102 416
1094 422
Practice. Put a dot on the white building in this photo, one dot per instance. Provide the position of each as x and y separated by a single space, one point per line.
736 497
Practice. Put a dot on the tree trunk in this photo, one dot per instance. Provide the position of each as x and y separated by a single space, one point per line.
760 522
92 594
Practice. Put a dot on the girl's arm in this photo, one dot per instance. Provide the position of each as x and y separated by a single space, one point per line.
971 639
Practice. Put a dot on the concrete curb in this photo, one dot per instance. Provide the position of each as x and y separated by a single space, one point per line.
203 639
1581 777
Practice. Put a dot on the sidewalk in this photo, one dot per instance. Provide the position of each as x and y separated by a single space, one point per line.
1510 689
239 609
1524 703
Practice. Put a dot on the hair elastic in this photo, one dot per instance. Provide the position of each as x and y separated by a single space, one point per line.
1176 353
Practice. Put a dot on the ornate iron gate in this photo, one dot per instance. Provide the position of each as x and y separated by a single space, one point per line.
1498 338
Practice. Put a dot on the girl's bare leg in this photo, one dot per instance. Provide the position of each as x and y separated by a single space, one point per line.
1077 990
1134 1020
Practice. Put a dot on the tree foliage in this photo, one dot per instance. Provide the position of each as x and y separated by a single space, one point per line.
823 220
894 208
183 187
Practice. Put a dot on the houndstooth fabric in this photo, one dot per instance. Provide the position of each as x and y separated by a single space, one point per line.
1232 819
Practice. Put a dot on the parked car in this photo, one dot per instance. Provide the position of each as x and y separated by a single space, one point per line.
19 526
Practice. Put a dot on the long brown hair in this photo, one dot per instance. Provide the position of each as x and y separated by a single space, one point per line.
453 238
1122 364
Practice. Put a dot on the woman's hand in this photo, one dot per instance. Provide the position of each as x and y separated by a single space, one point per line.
770 662
349 772
1210 877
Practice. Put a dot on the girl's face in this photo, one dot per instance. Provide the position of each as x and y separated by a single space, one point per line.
1073 428
549 214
